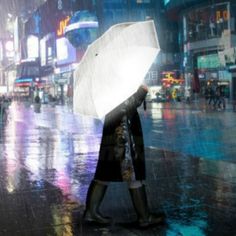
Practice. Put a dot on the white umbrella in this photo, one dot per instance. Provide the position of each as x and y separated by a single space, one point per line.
113 67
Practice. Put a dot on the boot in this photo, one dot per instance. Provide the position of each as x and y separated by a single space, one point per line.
95 196
145 218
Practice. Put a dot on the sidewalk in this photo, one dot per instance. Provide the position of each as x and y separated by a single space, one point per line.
46 167
196 202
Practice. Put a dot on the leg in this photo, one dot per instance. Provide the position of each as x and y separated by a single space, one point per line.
95 195
215 100
139 199
224 103
219 103
209 101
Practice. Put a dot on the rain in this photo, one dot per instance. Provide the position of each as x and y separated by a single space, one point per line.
49 149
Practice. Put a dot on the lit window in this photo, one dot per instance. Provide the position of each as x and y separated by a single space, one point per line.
143 1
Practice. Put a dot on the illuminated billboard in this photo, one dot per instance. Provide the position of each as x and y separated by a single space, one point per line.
47 49
32 47
43 54
66 53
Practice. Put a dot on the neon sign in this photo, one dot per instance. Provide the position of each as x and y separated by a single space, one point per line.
170 78
62 25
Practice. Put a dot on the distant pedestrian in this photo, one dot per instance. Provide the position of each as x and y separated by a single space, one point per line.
174 94
220 98
37 104
37 99
187 95
211 95
207 94
4 104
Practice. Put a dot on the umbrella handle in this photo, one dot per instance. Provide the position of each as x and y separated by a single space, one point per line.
144 105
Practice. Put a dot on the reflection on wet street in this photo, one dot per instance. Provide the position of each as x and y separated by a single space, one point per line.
48 159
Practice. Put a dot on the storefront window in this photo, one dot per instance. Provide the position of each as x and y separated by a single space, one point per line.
143 1
208 22
208 61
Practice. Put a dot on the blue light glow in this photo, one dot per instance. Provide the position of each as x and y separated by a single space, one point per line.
166 2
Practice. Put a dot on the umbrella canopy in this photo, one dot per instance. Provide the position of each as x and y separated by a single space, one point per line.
113 67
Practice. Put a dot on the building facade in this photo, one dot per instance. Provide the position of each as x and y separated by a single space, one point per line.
42 37
206 38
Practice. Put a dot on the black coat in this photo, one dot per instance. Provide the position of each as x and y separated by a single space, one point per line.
121 155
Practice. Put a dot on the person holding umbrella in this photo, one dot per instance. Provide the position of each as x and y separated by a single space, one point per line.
108 78
121 158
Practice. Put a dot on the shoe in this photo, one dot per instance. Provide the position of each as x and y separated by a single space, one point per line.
95 196
97 218
152 220
145 218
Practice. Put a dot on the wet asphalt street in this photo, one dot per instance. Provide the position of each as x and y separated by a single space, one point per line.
48 159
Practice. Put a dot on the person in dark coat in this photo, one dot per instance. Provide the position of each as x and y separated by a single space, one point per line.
121 158
37 99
